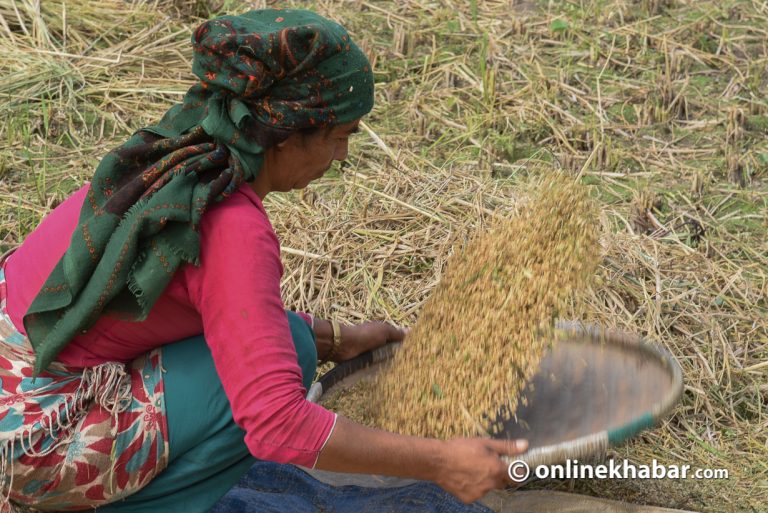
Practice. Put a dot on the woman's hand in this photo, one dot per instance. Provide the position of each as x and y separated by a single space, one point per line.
359 338
468 468
473 466
356 338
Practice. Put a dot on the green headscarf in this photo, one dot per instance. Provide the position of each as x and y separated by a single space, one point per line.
276 69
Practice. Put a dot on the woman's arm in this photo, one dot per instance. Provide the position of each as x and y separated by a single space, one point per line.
236 290
323 337
465 467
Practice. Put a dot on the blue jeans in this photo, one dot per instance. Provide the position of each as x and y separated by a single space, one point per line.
208 454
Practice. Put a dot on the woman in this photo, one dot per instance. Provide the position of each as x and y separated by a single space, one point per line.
111 397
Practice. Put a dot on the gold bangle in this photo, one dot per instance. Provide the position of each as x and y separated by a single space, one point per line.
336 341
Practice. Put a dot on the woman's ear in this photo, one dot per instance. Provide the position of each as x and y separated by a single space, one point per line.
291 140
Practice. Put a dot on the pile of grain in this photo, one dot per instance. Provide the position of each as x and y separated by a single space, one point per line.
481 333
353 402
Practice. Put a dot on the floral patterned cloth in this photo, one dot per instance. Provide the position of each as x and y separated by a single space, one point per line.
264 72
72 439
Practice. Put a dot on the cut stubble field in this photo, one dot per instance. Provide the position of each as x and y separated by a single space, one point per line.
658 106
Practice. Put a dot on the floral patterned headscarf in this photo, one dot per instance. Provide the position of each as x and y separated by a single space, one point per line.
271 69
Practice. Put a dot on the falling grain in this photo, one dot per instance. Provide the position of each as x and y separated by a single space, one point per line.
481 334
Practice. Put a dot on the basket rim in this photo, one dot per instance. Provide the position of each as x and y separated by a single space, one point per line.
584 446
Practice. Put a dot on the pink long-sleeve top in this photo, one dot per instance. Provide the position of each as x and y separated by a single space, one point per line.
233 297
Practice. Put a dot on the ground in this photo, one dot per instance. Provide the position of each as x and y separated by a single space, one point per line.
659 105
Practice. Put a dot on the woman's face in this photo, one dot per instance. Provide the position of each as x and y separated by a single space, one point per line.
298 160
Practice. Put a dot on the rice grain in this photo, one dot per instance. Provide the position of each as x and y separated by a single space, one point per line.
482 332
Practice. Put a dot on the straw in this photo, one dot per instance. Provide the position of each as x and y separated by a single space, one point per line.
665 98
